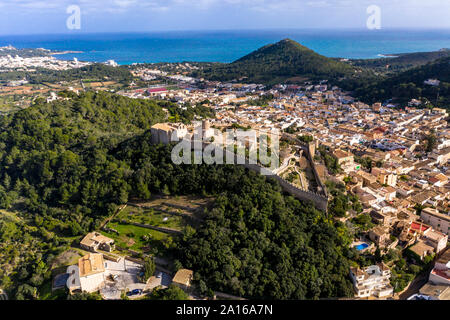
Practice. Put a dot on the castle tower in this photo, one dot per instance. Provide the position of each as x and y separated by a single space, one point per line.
206 126
312 148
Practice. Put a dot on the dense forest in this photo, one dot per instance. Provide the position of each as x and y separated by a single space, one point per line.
95 71
69 163
283 61
258 243
255 242
56 154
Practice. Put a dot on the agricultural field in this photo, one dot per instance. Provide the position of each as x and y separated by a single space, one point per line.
173 213
152 217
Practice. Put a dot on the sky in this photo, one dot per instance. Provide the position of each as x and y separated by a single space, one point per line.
50 16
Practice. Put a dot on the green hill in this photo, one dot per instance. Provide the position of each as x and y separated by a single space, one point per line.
409 84
401 61
284 61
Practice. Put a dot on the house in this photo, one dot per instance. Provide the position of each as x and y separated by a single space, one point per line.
385 219
372 281
440 274
436 239
432 82
367 178
153 92
379 235
441 156
183 279
384 177
367 199
343 157
421 249
88 275
95 241
438 180
389 193
439 221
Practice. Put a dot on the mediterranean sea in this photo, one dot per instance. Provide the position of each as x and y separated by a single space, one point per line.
227 46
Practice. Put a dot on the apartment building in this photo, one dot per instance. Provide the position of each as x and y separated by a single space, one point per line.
439 221
372 281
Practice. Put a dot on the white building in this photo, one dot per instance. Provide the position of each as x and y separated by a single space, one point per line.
88 275
440 275
439 221
372 281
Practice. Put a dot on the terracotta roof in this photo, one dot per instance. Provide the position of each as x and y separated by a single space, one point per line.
94 237
91 264
183 276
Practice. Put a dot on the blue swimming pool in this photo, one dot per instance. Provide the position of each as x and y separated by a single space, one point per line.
361 246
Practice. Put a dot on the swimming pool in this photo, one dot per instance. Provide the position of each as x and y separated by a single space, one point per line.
361 246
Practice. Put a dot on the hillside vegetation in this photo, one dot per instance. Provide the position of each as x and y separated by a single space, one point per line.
407 85
68 164
402 61
286 60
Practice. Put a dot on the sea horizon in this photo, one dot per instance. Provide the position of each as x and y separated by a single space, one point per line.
208 45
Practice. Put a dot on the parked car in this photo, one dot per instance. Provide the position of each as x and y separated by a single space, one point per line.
134 292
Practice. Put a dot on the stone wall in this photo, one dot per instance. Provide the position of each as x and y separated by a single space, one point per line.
318 200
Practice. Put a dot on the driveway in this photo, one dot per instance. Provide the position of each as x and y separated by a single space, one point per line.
121 276
165 280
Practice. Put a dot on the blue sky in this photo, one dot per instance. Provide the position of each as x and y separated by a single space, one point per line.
49 16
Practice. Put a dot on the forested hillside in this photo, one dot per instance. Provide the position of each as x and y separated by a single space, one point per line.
56 154
68 164
402 61
408 85
96 71
283 61
255 242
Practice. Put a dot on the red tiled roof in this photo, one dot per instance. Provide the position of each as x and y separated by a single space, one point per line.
418 227
153 90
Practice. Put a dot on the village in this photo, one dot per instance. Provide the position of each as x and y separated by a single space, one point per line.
393 160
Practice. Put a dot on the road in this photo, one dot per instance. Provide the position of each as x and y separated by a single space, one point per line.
414 287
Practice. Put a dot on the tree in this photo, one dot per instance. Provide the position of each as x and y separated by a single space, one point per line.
85 296
171 293
148 269
431 142
306 138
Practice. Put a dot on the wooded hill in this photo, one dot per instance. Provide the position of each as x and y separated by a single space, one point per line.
283 61
407 85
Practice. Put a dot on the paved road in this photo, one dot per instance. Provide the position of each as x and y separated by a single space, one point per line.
414 287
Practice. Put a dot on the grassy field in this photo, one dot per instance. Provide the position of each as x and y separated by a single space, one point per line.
173 213
132 237
152 217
